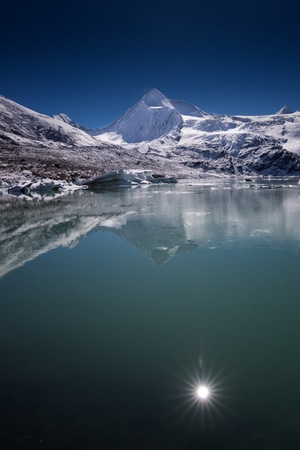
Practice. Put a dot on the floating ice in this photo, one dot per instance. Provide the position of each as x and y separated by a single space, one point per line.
127 178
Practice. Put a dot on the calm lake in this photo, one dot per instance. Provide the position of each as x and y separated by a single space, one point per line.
116 306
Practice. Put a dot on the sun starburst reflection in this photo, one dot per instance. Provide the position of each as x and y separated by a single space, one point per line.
203 395
203 392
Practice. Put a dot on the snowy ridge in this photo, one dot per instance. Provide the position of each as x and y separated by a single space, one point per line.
230 144
157 133
187 109
22 125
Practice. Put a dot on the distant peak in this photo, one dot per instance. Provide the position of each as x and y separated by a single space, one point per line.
155 98
285 110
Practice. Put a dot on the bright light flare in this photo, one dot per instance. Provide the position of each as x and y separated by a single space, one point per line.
203 392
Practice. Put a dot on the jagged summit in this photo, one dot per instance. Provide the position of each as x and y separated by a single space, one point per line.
154 98
285 110
152 117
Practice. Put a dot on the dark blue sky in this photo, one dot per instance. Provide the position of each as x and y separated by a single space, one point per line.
93 60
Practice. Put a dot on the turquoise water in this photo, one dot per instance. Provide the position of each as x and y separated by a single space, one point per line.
115 306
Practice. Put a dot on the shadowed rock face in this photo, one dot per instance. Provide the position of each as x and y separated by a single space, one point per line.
161 221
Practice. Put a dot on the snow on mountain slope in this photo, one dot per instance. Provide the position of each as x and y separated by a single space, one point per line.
160 121
233 131
187 109
284 129
66 119
234 144
158 133
153 116
21 125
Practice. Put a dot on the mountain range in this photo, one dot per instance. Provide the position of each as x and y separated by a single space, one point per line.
168 136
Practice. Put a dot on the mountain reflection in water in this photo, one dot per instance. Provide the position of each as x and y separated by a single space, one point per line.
194 346
160 221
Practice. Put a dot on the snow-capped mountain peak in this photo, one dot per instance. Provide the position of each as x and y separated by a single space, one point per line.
178 130
156 99
159 132
150 118
153 117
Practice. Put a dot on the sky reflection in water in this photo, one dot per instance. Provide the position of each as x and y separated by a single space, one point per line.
103 347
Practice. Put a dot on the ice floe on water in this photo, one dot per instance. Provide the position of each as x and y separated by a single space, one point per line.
31 189
128 177
47 188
